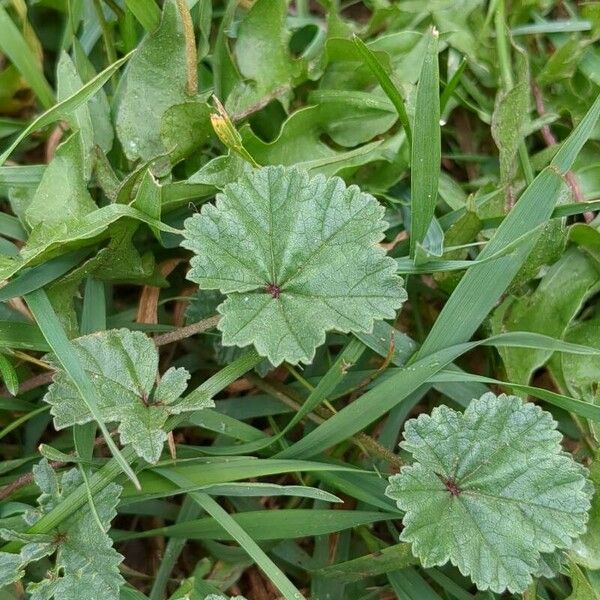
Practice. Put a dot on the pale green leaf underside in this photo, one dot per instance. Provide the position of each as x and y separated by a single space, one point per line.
123 365
297 257
490 490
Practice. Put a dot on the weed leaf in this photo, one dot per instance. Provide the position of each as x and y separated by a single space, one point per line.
87 566
123 365
491 489
297 257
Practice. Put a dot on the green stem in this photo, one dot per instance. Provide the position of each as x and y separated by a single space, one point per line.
302 8
502 47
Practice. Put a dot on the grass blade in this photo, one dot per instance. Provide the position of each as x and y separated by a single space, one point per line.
451 85
146 12
369 58
9 375
556 26
578 407
265 524
93 318
273 572
426 152
21 175
482 285
13 44
39 276
67 105
389 559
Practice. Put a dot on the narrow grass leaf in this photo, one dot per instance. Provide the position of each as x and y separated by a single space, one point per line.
261 490
409 584
146 12
573 405
11 227
238 533
14 46
17 335
40 275
9 375
93 318
392 558
21 175
388 86
554 26
88 227
201 473
426 148
452 84
267 525
67 105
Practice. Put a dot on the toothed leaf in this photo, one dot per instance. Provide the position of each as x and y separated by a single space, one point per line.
86 566
123 365
297 257
490 491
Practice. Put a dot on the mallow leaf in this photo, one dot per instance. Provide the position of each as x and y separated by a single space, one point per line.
123 365
86 565
296 257
203 305
490 490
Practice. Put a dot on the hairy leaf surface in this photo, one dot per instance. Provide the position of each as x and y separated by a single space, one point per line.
87 566
491 489
297 257
123 365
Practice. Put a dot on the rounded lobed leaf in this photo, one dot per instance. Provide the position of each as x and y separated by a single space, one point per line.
297 257
490 491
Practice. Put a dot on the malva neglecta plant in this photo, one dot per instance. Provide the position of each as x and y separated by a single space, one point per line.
300 300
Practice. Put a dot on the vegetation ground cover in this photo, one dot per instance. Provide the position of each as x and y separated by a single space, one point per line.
300 299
